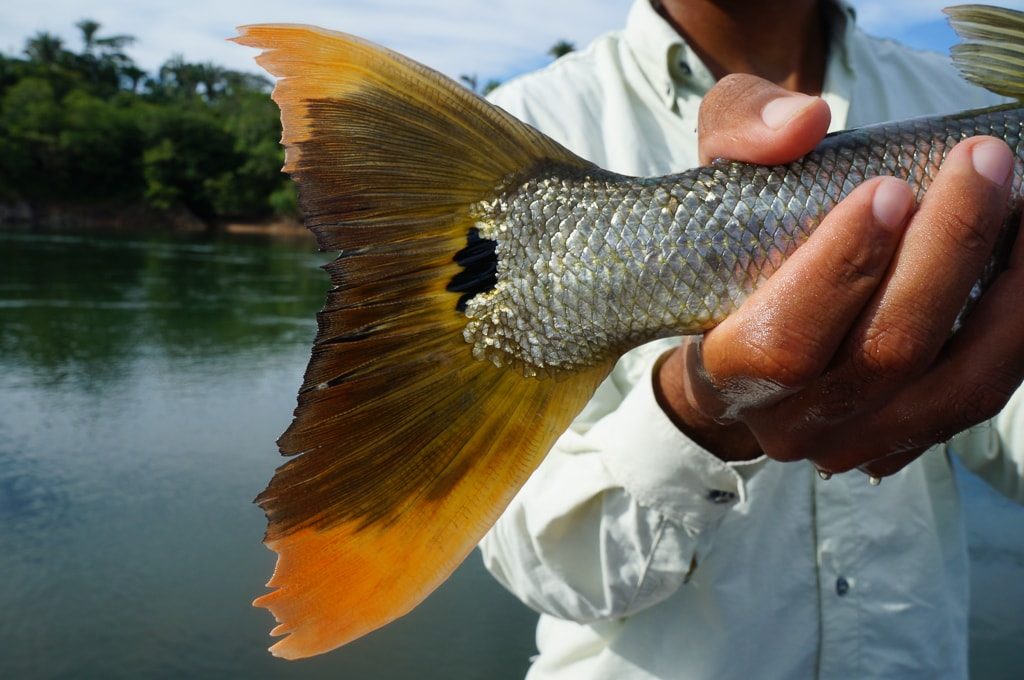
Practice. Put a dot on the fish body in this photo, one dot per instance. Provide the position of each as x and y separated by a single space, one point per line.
486 282
593 263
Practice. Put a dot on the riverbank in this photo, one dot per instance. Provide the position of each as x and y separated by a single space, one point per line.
136 217
282 227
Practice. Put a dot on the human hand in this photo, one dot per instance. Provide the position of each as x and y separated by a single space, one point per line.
844 357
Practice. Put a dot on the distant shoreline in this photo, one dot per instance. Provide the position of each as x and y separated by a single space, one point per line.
136 218
290 228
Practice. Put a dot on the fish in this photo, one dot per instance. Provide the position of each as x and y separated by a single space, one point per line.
487 279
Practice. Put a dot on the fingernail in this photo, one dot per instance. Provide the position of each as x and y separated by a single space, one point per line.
891 203
874 481
992 160
778 112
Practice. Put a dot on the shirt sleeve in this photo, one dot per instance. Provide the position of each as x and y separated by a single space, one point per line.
619 512
994 450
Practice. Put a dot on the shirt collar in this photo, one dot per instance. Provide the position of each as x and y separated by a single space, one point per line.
668 62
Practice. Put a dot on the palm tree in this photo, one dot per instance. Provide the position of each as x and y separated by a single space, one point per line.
236 81
89 29
133 75
211 77
115 43
46 48
102 59
179 77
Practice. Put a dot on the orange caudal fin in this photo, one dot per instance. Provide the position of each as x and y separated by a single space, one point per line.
406 447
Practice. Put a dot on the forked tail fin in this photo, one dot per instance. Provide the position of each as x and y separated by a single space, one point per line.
410 448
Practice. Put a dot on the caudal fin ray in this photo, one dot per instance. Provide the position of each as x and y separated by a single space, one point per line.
404 447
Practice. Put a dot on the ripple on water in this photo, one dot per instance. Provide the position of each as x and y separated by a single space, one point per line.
32 501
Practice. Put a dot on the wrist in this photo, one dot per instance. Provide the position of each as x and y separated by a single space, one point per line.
675 393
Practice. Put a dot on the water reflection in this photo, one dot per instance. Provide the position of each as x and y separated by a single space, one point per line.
143 382
93 302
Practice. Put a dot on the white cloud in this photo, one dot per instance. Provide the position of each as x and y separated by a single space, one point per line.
888 17
497 38
456 36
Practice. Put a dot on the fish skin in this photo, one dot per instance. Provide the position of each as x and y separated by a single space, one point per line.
591 263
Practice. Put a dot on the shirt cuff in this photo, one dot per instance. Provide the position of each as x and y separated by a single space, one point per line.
665 470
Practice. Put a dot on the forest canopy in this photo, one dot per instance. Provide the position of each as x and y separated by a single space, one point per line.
90 127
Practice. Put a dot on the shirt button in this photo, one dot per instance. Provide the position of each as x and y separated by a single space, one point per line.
842 586
717 496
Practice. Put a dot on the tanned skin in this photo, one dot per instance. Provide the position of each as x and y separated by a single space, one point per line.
844 356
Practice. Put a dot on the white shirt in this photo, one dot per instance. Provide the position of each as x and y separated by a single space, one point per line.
646 555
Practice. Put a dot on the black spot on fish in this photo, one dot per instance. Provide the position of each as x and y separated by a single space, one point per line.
480 268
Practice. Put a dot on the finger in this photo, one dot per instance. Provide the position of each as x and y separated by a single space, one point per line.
943 252
786 333
891 464
977 372
745 118
971 381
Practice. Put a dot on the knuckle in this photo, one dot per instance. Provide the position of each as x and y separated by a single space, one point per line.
982 399
970 230
719 112
852 270
781 356
892 352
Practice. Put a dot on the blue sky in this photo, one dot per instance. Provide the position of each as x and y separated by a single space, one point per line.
492 38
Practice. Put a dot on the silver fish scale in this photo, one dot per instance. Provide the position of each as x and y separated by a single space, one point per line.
591 263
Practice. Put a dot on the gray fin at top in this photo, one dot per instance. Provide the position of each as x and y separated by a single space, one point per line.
992 51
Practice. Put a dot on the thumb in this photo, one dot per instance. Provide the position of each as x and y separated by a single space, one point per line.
746 118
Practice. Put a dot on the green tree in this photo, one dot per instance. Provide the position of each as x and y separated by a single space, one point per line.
101 145
100 68
186 153
89 29
111 44
46 49
211 78
91 127
178 78
132 76
30 124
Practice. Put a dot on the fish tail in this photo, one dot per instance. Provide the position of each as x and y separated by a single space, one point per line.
406 447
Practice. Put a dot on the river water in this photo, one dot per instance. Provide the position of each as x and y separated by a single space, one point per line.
142 385
143 381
